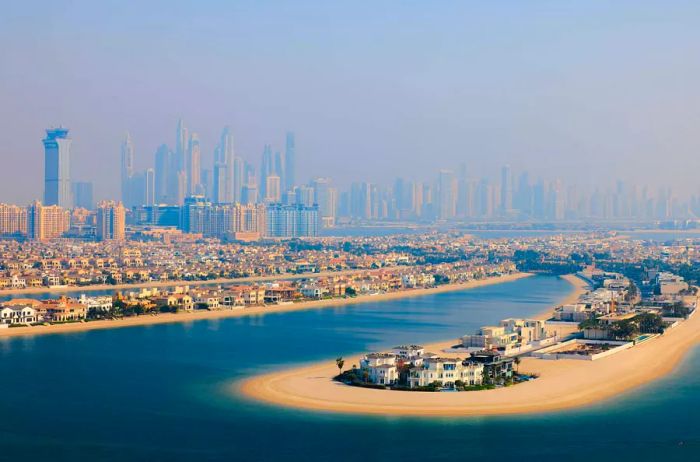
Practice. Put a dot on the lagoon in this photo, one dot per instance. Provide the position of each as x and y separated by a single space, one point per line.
160 392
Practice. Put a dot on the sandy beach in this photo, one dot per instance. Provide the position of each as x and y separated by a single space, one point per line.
562 384
252 311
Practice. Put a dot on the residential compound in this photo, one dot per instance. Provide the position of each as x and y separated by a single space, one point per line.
412 367
228 297
163 257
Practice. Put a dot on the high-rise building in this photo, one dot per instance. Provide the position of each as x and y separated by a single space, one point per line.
194 215
46 222
83 195
325 198
181 142
163 164
57 184
273 190
447 195
150 183
267 168
290 162
278 168
290 221
506 190
304 195
361 200
219 182
127 171
13 219
111 221
194 167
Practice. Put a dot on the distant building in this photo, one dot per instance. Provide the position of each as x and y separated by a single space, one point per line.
232 221
13 219
290 163
156 215
83 195
288 221
46 222
111 221
194 168
57 184
127 171
326 198
273 190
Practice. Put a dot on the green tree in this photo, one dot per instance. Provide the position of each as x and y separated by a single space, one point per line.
340 362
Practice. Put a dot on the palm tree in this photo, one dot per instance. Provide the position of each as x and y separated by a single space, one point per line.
340 362
517 363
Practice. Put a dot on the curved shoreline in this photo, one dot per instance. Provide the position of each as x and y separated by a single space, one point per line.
164 318
563 384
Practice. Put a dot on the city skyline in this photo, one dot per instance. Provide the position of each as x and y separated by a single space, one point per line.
178 174
487 85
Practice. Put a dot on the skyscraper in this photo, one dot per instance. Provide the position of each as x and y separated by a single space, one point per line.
82 195
225 183
290 162
325 198
163 164
273 191
194 168
506 190
57 184
127 171
266 168
181 141
447 195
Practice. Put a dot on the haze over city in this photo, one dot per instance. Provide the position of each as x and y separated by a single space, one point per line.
586 91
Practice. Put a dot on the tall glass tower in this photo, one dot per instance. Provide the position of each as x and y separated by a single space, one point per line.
57 185
289 163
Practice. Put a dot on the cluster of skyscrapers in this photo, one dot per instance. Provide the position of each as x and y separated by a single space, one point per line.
210 199
234 199
456 196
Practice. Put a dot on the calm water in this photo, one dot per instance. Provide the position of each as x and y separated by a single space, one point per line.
158 393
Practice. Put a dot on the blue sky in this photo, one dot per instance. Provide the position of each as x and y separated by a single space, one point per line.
586 91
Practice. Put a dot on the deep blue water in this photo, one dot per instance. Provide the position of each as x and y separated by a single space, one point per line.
159 393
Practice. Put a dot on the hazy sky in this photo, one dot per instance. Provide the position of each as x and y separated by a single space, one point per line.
570 89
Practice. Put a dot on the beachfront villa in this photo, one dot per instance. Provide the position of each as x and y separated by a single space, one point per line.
446 371
511 336
17 315
409 366
381 368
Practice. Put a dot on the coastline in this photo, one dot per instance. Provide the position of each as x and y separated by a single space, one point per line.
563 384
164 318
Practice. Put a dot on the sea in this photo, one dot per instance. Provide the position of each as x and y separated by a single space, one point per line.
168 392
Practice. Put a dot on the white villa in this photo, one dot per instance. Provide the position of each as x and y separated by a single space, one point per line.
381 368
447 371
511 336
17 315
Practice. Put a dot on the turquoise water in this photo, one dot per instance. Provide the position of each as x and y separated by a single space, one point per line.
159 393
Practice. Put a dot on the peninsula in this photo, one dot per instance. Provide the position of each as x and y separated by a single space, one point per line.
561 384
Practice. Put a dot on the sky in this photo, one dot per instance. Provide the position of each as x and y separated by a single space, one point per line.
585 91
